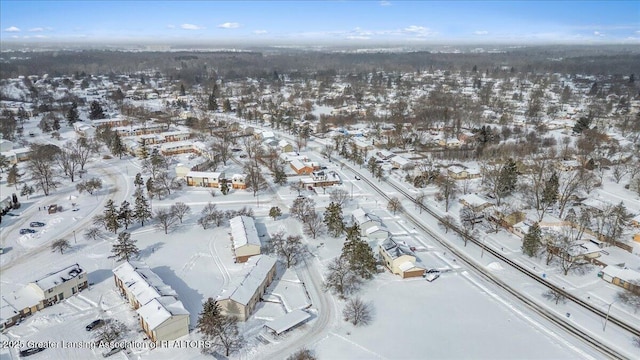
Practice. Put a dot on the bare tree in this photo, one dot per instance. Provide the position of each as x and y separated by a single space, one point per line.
255 180
394 205
420 198
111 332
179 210
68 160
448 190
164 183
314 224
327 151
569 183
166 219
221 145
92 233
448 222
358 312
289 248
60 245
40 166
631 297
340 278
302 354
339 196
555 296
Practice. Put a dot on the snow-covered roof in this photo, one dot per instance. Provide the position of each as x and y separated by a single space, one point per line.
625 274
161 309
400 160
297 164
375 229
393 249
177 145
24 298
260 266
287 321
58 277
7 311
205 174
238 177
143 283
408 265
243 231
473 200
360 216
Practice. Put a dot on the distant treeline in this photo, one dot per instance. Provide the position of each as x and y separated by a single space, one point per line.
192 67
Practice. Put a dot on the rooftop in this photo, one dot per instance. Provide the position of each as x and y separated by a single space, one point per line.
143 283
56 278
161 309
243 231
259 267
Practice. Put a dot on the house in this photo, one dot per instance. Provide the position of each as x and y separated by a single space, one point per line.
204 178
475 202
164 318
385 154
5 145
623 277
460 173
301 168
177 147
321 179
401 162
9 316
284 146
241 300
365 220
162 315
17 155
399 259
49 290
376 232
244 237
287 321
239 181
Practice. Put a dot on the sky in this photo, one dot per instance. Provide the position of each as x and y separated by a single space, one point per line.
341 22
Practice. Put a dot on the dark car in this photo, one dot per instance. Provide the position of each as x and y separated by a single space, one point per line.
36 224
94 324
357 177
26 231
112 351
31 351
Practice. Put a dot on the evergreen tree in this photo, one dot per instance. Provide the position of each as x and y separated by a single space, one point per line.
279 176
111 217
55 125
125 214
142 210
117 148
212 103
138 182
144 152
583 123
226 106
95 111
359 254
13 176
124 248
531 242
550 192
183 92
333 219
224 188
220 329
72 114
150 188
508 178
26 190
275 212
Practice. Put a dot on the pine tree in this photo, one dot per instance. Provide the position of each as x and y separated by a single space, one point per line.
333 219
141 211
150 187
72 114
508 178
212 103
26 190
125 214
550 192
144 152
275 212
226 106
138 182
582 124
359 254
224 188
96 112
55 125
111 217
13 176
532 241
221 330
183 92
279 176
117 148
124 248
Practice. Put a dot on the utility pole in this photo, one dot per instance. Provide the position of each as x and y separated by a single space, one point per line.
606 319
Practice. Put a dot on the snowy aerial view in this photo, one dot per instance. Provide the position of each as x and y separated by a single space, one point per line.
319 180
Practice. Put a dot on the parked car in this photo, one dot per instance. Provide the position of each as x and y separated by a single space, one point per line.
357 177
26 231
112 351
94 324
36 224
31 351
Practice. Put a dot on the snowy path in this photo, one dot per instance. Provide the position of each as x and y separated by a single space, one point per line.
121 183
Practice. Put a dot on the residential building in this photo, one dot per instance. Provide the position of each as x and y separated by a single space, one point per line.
301 168
365 220
244 238
475 202
241 299
204 178
623 277
399 259
239 181
9 316
161 314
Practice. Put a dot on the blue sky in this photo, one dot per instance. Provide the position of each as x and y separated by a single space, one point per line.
323 21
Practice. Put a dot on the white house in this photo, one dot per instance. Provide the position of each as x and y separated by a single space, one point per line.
365 220
244 237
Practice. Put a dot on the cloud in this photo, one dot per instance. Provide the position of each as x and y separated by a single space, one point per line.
229 25
417 30
40 36
191 27
598 33
36 29
358 37
12 29
384 3
260 32
480 32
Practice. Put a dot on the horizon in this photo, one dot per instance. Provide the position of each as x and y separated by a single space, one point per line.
322 23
